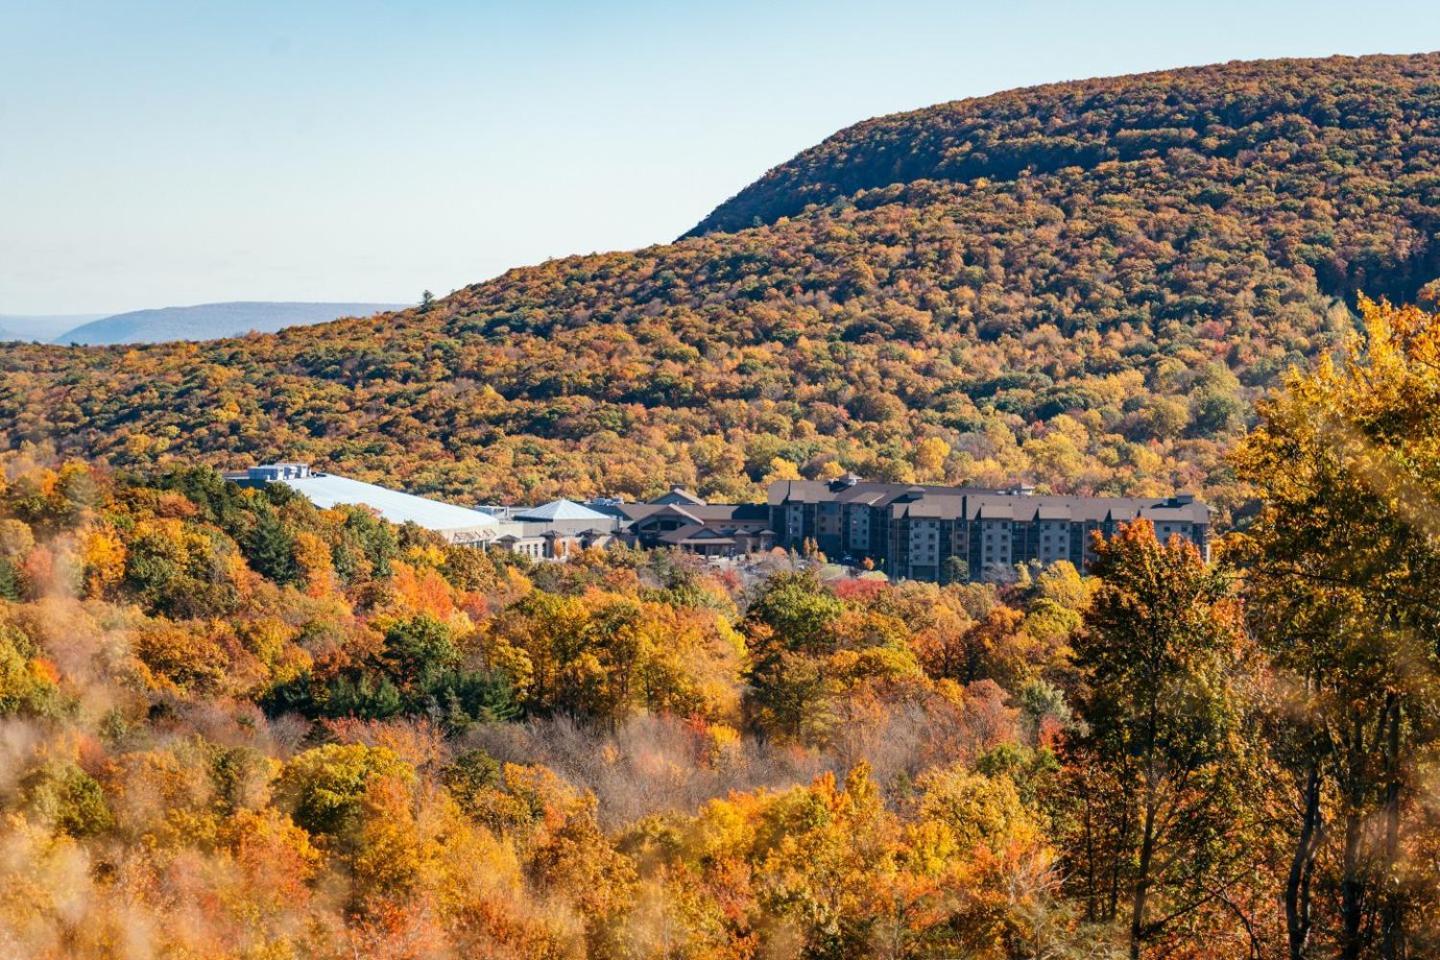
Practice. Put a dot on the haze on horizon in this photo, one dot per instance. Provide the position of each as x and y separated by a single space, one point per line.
169 153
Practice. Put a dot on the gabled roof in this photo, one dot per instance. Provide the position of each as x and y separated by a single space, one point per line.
995 511
869 492
696 535
929 507
560 510
1185 513
706 513
1084 509
648 512
1015 503
679 495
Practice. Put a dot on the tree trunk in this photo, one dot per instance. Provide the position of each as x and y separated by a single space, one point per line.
1142 879
1092 889
1352 879
1392 943
1351 891
1122 841
1297 885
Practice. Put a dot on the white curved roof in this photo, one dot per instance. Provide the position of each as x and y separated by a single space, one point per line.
326 490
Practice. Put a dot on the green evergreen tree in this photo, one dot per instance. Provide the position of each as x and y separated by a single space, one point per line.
270 548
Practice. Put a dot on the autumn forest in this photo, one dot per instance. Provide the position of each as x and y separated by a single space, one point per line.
235 725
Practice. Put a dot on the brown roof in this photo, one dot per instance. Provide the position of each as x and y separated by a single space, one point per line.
696 533
679 495
1085 509
699 513
861 491
945 505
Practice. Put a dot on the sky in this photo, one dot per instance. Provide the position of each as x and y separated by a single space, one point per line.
164 153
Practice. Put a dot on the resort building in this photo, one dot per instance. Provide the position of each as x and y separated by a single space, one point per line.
554 530
908 531
326 490
960 533
681 520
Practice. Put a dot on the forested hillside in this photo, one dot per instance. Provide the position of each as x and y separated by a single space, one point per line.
1085 284
1339 129
236 726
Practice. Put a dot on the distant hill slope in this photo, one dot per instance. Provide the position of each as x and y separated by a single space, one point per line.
1331 131
210 321
1083 284
42 327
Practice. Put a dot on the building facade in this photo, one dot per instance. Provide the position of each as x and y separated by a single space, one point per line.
682 521
455 523
945 534
909 532
551 531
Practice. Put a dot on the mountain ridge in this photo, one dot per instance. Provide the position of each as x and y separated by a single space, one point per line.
953 134
211 321
41 327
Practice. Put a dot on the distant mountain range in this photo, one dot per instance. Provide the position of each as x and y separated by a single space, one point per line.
205 321
41 327
210 321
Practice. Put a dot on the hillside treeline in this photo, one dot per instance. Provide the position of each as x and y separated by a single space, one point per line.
234 725
1086 286
1324 120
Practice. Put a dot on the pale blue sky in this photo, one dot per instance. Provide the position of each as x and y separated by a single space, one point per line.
181 152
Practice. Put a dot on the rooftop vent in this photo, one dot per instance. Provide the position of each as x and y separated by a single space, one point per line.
270 472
